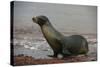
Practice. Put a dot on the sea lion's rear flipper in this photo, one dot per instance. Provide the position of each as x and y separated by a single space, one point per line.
66 52
51 56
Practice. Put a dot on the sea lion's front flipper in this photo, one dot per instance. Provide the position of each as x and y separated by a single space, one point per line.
50 55
55 55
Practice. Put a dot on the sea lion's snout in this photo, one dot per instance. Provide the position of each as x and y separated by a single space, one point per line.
41 20
34 19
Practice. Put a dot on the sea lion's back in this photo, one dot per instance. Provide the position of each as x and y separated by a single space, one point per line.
76 44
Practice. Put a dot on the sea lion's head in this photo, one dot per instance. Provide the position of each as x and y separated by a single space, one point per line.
41 20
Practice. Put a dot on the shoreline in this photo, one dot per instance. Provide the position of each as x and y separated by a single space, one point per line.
29 60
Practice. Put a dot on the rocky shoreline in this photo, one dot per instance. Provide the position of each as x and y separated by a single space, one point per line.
29 60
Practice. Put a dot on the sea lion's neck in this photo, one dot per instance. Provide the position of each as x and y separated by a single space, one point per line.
49 30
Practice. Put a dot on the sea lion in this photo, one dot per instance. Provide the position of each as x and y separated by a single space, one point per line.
66 46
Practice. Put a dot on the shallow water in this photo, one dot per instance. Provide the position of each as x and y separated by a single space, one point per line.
38 47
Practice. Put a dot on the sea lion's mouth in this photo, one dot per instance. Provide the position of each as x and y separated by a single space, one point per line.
34 19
